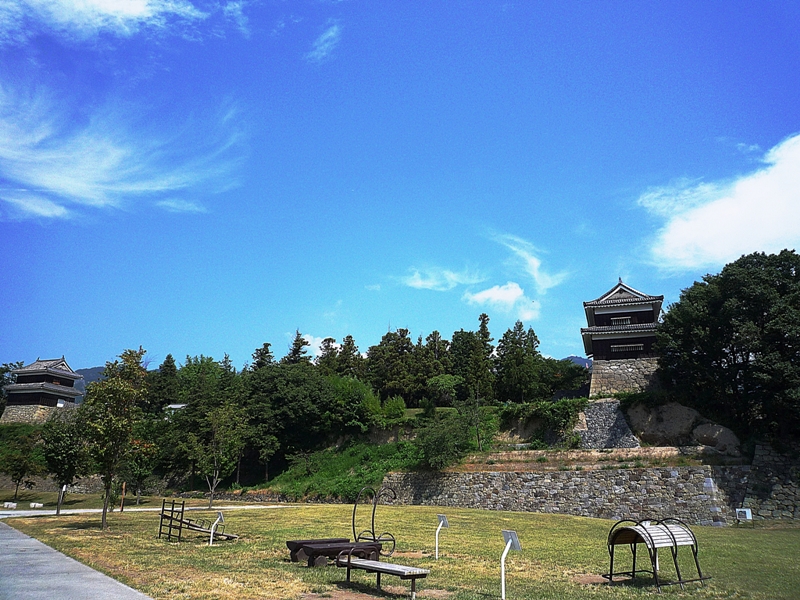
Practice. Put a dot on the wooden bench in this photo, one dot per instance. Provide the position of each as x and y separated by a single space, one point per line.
346 559
295 547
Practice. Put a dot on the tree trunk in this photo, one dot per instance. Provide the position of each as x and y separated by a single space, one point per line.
238 468
138 495
16 491
61 493
106 499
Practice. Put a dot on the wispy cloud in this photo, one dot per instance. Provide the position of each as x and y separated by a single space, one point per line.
181 206
325 43
709 224
235 12
48 166
526 252
438 279
85 19
507 298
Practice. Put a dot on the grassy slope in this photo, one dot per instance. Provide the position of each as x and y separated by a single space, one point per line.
757 564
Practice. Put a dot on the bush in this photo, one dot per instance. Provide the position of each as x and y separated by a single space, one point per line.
443 441
557 419
394 408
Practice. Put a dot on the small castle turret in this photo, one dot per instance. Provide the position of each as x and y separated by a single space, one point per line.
620 336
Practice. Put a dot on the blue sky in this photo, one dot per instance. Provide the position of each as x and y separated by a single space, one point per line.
200 177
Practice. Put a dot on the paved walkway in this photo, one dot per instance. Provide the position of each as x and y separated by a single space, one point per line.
30 570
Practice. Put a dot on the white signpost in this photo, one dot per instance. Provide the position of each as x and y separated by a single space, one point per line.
442 523
220 519
512 543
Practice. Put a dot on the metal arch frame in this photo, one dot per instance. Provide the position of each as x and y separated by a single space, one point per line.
368 535
653 550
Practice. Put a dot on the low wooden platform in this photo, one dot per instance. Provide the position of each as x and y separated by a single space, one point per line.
375 566
318 554
295 547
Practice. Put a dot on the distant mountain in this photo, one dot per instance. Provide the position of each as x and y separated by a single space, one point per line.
584 362
89 376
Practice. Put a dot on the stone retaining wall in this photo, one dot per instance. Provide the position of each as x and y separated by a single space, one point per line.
622 375
30 413
697 495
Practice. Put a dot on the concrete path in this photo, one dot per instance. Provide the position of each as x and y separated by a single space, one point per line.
50 512
30 570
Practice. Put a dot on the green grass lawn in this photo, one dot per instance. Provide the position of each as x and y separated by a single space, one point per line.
558 552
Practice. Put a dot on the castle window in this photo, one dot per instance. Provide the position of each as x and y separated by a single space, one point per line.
627 347
620 320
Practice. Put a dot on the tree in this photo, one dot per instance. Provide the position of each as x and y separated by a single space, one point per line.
163 386
142 456
349 362
519 366
65 451
262 357
109 411
22 458
389 365
443 441
730 346
328 359
216 455
6 378
297 353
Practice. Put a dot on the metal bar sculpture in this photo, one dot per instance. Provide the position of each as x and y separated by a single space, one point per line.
654 534
368 535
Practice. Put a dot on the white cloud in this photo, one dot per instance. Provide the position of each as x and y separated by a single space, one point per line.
526 252
325 44
315 344
710 224
86 19
509 297
181 206
235 12
440 280
33 206
104 162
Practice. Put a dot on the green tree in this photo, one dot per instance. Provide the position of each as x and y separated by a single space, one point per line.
142 457
730 346
22 458
65 451
389 366
163 386
349 362
297 352
328 359
6 378
109 411
520 366
443 441
262 357
216 455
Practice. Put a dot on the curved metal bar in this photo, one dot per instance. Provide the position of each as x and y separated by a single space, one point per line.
355 507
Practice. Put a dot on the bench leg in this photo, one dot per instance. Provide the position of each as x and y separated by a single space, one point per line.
348 574
379 580
414 588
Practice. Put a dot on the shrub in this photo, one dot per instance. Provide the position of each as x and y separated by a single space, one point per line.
443 441
394 408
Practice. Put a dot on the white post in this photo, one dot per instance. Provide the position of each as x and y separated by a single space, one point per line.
442 523
220 519
503 570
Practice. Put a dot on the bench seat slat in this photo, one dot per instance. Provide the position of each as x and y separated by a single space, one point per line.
376 566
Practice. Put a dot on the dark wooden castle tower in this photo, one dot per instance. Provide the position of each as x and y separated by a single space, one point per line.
40 388
619 338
